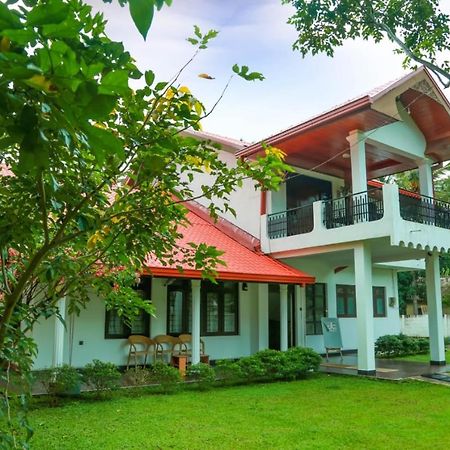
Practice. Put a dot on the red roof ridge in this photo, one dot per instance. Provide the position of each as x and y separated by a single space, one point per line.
225 226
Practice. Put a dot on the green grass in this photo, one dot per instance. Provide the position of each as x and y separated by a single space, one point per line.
425 358
324 412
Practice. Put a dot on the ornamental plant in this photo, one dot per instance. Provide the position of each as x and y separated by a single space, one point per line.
101 376
203 375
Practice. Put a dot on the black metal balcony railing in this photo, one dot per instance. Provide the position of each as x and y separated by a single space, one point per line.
291 222
361 207
422 209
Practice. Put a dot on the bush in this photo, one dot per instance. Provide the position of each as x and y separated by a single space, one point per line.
273 364
228 372
203 375
60 381
103 377
392 345
167 377
138 376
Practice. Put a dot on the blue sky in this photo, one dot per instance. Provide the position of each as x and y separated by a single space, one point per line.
255 33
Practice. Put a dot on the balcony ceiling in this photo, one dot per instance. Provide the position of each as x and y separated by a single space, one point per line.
319 143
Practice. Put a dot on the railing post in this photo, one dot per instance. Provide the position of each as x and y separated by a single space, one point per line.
318 215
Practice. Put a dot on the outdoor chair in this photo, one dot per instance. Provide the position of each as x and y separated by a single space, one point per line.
186 344
166 345
140 346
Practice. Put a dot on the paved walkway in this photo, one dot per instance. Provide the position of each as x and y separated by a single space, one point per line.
389 369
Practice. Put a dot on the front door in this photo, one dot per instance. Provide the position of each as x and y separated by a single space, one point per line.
274 317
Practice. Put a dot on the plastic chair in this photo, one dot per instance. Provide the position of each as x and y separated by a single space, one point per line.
140 346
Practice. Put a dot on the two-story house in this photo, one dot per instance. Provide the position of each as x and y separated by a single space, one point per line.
327 243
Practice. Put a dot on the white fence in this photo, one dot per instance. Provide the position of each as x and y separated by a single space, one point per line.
418 325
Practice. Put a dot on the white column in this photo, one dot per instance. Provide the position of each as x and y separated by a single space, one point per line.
300 305
425 178
283 317
263 316
358 161
434 301
195 284
364 309
58 346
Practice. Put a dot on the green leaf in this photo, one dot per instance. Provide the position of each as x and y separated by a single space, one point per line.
142 14
21 37
100 107
103 142
114 83
149 77
7 18
54 11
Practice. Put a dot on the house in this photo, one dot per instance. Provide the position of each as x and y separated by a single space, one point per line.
327 243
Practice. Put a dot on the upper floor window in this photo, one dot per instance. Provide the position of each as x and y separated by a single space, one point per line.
116 326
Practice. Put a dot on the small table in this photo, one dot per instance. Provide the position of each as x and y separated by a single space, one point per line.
180 361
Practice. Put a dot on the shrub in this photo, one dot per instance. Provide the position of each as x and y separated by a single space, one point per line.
392 345
60 381
228 372
301 361
167 377
138 376
103 377
251 368
203 375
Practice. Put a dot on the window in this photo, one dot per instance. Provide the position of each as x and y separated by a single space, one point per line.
179 301
316 307
346 300
115 325
219 308
379 301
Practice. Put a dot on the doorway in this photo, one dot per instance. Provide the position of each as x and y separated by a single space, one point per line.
274 317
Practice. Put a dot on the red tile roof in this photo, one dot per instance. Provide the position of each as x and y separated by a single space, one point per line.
243 262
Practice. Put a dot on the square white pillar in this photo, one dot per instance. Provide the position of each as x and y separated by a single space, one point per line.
196 285
364 309
300 307
263 316
58 343
426 178
357 143
434 302
283 317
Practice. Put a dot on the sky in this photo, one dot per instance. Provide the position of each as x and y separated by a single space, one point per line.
254 33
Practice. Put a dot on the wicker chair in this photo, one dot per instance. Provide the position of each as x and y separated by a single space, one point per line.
186 344
140 346
166 345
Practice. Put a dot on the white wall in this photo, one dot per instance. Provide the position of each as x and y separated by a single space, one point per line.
418 326
246 201
88 330
324 273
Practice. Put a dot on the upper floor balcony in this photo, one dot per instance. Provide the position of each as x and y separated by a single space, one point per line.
402 219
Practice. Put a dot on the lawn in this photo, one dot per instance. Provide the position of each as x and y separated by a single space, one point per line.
325 412
425 358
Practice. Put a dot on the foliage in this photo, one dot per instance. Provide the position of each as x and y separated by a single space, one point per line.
270 365
202 374
137 376
97 172
277 416
389 346
167 377
418 28
101 376
62 380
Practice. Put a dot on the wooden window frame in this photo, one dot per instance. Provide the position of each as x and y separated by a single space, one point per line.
146 286
346 287
316 322
375 313
221 290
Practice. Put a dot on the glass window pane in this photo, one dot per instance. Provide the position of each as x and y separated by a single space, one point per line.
340 306
229 313
188 306
351 306
212 312
310 328
175 312
138 325
116 325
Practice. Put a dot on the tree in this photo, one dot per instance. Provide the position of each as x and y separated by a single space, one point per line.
96 173
418 28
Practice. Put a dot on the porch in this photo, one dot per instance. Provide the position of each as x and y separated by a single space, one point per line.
386 369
